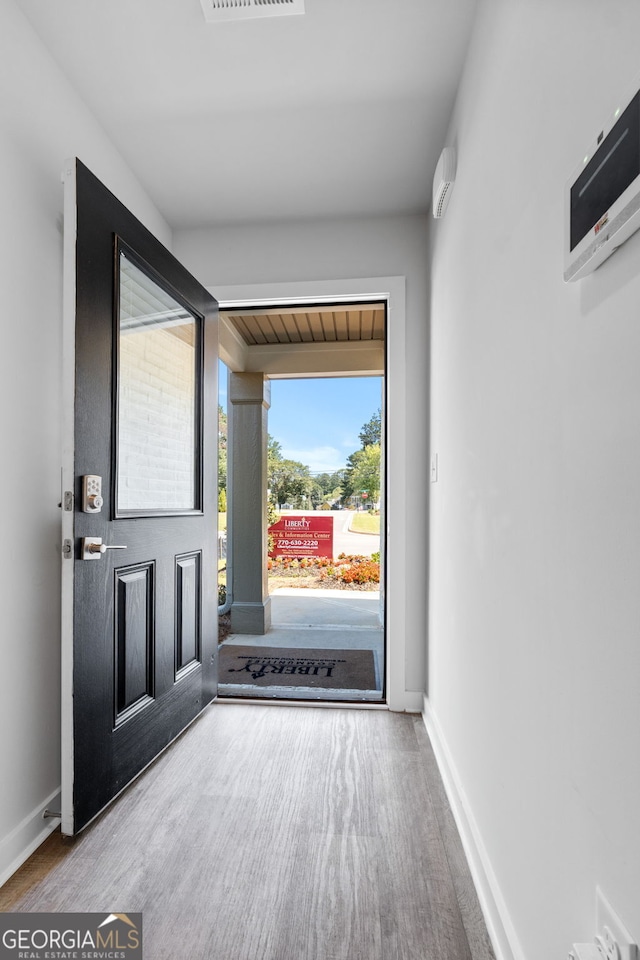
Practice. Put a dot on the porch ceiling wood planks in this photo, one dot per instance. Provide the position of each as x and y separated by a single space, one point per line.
317 324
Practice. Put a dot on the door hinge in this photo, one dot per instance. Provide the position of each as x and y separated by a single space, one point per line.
68 500
67 549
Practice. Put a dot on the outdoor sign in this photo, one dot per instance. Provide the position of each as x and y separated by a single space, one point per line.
302 536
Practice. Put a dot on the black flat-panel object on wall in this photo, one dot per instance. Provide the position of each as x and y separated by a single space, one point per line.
607 175
602 198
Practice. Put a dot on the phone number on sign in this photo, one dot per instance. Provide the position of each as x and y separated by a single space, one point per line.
296 543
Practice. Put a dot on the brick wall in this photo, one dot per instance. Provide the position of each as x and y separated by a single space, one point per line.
156 418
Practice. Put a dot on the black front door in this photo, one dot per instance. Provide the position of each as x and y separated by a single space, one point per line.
144 505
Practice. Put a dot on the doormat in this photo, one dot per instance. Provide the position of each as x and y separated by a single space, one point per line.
286 667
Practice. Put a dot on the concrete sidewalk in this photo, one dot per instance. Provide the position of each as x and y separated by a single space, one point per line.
318 619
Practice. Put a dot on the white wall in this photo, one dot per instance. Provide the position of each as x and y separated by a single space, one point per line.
42 122
534 656
336 250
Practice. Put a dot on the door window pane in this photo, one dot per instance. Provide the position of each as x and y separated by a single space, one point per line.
157 421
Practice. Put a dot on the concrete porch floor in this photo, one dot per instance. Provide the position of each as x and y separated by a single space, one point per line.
318 619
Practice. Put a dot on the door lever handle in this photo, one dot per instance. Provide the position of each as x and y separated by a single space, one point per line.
93 547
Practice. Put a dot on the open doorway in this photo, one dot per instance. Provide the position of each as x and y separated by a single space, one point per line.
324 638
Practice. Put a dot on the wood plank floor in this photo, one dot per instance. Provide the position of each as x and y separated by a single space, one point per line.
276 833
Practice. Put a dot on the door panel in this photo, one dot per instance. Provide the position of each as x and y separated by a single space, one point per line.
188 588
144 615
134 640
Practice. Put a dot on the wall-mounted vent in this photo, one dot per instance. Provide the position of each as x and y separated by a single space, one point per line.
216 11
443 181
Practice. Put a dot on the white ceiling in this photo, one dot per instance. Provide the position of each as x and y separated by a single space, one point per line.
339 112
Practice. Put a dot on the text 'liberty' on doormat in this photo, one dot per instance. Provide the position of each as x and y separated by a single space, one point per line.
282 666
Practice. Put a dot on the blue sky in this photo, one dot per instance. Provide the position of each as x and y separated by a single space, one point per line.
318 421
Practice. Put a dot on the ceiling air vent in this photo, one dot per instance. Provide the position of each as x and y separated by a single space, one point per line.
216 11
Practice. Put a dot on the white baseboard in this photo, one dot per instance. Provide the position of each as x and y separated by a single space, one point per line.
499 926
27 837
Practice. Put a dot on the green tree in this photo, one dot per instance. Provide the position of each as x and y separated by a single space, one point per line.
316 494
324 486
323 483
274 450
347 488
363 467
335 491
289 481
222 450
371 432
365 475
274 458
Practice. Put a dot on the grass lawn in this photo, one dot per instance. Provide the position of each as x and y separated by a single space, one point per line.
365 523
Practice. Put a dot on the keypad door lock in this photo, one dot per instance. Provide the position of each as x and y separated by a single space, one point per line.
92 494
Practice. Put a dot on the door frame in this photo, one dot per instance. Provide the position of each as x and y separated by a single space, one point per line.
392 291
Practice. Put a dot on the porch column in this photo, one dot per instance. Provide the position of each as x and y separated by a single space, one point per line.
249 400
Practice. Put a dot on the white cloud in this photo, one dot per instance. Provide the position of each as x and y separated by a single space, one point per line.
322 459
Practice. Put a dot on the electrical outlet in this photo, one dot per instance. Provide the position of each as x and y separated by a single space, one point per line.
613 939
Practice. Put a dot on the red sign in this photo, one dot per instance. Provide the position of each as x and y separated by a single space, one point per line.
302 536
